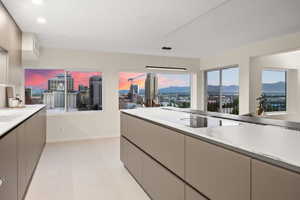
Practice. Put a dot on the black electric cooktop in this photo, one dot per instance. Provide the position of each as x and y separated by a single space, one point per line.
196 121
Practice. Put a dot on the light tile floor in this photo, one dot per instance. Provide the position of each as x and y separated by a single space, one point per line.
85 170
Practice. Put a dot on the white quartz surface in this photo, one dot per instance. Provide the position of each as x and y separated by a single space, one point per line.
273 144
11 117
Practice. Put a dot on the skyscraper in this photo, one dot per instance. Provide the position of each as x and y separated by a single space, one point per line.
133 93
58 83
95 83
151 90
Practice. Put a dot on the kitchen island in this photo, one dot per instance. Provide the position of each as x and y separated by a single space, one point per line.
204 157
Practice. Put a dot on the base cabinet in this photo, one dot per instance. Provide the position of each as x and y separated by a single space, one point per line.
216 172
8 167
23 155
158 182
20 150
132 157
274 183
163 144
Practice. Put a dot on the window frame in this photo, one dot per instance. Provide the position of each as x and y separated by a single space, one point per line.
286 87
65 71
220 70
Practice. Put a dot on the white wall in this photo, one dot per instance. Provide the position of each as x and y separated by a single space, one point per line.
243 57
85 125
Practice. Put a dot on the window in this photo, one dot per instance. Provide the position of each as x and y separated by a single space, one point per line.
82 91
154 90
274 89
222 90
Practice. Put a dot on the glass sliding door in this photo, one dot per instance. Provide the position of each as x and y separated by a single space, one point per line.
213 90
222 90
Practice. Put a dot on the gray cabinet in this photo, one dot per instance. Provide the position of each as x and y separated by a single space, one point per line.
132 158
20 150
274 183
8 167
216 172
163 144
23 174
191 194
159 183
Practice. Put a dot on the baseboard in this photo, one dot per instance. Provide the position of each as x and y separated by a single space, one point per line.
81 139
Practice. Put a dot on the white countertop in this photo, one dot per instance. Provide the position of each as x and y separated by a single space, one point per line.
11 117
275 145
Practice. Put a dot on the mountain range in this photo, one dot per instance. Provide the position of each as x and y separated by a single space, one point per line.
278 87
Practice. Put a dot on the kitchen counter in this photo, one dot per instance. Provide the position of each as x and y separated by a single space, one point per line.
12 117
275 145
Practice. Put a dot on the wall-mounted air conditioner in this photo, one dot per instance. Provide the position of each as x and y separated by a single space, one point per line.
30 47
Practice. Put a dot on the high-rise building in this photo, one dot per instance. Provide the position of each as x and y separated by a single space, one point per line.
95 83
133 93
28 95
151 90
56 99
58 83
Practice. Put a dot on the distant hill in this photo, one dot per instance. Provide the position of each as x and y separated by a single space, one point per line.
230 89
278 87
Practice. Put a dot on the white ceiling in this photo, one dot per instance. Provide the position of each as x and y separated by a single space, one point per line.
194 28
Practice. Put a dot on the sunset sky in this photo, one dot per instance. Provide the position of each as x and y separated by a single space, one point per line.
164 80
38 79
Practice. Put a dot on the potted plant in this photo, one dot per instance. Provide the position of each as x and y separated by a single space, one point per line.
262 99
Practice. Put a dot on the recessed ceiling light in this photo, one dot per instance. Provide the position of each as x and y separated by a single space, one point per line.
41 20
37 2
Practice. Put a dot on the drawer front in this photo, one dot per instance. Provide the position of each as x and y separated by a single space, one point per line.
163 144
191 194
159 183
8 167
216 172
132 157
273 183
130 128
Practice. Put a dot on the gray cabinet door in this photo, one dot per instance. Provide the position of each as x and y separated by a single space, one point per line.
22 161
218 173
159 183
163 144
191 194
274 183
132 157
8 167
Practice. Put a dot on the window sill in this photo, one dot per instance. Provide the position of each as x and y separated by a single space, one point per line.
276 113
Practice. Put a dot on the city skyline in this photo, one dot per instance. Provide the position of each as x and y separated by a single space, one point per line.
38 79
